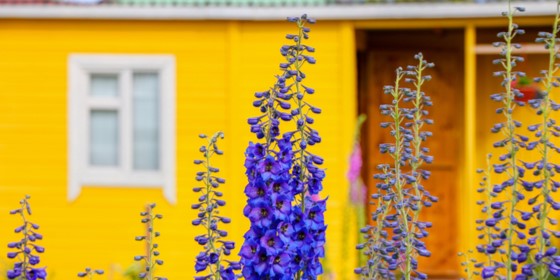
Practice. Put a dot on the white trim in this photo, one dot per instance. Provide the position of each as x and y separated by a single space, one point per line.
126 120
80 66
327 12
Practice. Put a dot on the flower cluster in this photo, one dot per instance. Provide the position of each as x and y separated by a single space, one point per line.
524 251
287 234
151 257
26 249
394 241
210 259
90 273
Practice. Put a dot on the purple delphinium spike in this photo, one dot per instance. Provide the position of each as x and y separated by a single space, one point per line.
286 237
88 272
544 252
418 196
210 261
150 259
505 221
26 249
394 241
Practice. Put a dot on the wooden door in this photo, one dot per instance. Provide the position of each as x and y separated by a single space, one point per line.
446 90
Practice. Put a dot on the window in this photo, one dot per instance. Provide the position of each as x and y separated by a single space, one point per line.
121 122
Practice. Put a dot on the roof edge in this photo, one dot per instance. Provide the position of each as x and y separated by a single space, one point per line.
328 12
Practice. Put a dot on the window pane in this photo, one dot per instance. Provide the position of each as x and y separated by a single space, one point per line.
104 85
104 138
145 95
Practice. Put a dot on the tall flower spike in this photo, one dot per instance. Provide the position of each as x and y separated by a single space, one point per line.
505 219
88 272
308 176
545 253
150 259
26 249
286 237
211 259
394 240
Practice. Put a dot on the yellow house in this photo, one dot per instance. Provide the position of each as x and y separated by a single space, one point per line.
72 77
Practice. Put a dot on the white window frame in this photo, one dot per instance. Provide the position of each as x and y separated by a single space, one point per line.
80 173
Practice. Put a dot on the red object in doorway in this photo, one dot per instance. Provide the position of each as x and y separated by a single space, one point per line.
527 88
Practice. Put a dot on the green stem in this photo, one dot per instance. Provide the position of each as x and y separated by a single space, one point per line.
468 266
298 64
510 105
417 143
25 265
216 269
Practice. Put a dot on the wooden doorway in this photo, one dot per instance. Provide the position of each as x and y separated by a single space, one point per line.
380 53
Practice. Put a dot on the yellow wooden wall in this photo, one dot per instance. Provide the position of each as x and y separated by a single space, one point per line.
219 66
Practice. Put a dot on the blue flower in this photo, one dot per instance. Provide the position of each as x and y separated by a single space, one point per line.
36 273
14 273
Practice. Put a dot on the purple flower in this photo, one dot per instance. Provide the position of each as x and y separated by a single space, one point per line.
14 273
36 273
33 260
271 242
488 272
261 214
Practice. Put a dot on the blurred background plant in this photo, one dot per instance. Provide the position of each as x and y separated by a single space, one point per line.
90 273
151 258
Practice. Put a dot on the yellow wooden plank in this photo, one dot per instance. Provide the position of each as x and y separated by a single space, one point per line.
468 183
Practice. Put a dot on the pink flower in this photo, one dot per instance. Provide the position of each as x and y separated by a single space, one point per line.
355 163
357 188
